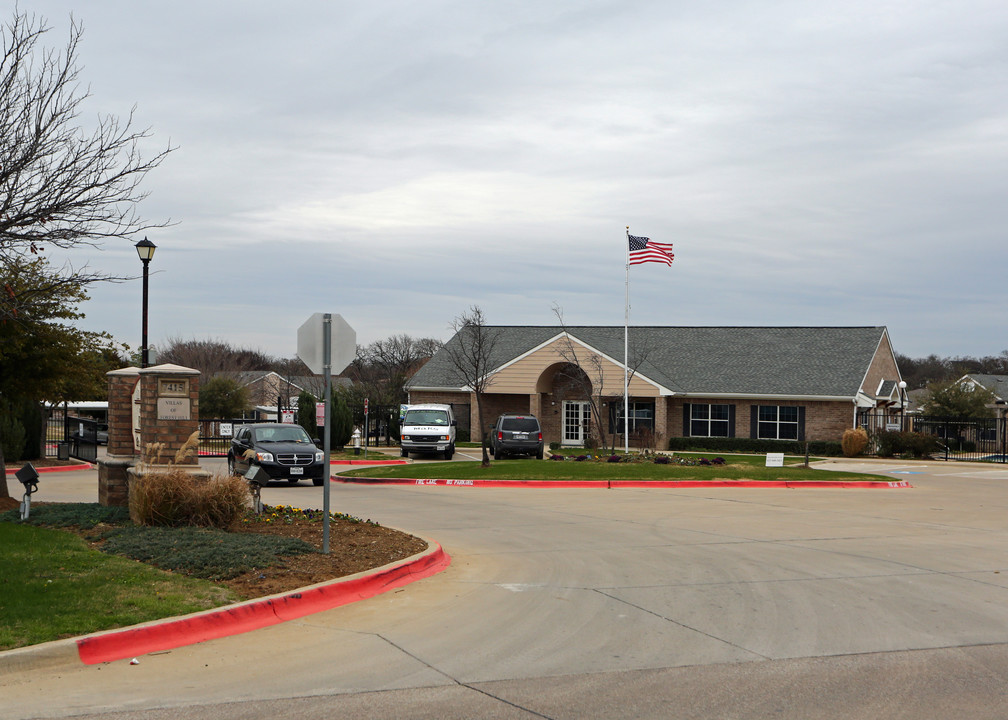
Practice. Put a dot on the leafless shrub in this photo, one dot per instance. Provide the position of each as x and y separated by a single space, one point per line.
854 442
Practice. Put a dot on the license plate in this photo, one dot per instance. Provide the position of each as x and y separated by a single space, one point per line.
521 436
297 471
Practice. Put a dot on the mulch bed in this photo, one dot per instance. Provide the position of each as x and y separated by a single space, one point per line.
354 547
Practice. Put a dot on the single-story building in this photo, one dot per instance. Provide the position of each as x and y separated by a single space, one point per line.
796 383
996 384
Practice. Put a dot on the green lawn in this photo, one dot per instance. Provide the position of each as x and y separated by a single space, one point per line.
737 467
52 585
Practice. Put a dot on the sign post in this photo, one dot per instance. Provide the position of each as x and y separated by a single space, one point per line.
317 340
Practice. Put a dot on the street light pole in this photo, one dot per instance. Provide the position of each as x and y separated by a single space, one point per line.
145 249
903 395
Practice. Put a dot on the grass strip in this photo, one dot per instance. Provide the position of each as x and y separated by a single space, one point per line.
735 468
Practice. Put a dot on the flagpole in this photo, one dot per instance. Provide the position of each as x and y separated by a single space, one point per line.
626 334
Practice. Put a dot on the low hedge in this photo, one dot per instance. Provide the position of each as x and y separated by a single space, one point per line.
919 445
828 448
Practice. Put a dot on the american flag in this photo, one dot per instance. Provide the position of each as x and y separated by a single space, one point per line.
642 250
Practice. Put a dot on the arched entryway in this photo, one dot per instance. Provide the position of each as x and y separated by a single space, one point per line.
565 389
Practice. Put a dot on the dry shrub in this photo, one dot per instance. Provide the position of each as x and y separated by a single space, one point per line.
854 442
189 448
176 498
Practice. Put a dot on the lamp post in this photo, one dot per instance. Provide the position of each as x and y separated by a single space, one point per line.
902 387
145 249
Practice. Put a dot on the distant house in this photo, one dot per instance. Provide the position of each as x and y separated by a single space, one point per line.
997 384
267 387
792 383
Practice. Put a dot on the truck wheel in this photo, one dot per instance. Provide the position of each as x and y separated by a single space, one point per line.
449 452
539 454
403 452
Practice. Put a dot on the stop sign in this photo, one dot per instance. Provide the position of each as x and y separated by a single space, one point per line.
343 345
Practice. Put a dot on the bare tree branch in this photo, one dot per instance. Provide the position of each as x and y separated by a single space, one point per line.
471 352
61 185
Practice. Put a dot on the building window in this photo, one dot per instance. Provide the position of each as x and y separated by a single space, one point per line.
709 420
779 422
641 416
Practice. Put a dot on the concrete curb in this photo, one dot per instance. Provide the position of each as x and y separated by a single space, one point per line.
368 462
616 484
231 620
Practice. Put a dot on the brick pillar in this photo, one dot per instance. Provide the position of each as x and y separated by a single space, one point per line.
661 423
159 404
113 482
169 410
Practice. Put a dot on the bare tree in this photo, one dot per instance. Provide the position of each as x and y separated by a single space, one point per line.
382 368
60 185
471 352
212 357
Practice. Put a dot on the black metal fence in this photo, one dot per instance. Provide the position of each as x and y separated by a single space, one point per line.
976 439
215 435
74 437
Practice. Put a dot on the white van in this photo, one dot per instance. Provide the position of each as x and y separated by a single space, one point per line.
428 429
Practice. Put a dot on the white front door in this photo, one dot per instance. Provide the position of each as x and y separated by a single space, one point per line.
576 416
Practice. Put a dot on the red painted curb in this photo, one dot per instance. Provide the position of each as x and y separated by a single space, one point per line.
608 484
120 644
367 462
58 468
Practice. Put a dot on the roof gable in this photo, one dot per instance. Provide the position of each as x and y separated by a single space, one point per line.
997 384
766 361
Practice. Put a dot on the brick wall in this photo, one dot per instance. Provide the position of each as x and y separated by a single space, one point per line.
824 420
120 411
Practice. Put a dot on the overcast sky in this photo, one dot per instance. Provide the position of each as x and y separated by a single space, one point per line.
396 162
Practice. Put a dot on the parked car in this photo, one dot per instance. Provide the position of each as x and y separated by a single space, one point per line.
284 451
516 435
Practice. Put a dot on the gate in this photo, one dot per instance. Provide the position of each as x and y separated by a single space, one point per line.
978 439
967 438
215 435
83 436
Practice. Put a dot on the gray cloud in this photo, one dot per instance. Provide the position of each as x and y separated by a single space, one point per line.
397 162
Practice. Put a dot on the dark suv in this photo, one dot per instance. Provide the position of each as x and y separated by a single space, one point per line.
516 435
284 451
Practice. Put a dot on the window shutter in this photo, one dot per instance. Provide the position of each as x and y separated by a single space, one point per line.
753 420
731 421
801 423
686 420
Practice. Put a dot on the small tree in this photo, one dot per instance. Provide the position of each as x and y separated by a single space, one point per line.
959 399
223 397
341 421
306 413
471 352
